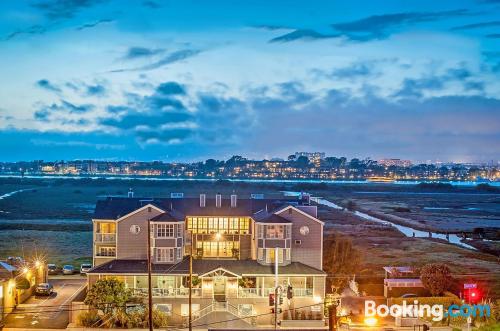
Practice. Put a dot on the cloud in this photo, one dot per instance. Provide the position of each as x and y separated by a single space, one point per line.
75 143
64 9
32 30
93 24
97 90
45 113
47 85
303 34
476 26
142 52
493 36
151 4
355 70
171 58
379 26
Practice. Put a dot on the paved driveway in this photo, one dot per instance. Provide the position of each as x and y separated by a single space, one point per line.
41 312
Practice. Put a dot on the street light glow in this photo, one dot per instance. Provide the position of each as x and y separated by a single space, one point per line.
371 321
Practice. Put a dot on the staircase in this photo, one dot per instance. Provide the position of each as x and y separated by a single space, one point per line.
224 306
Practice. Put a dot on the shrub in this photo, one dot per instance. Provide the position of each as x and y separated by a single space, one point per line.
88 319
436 278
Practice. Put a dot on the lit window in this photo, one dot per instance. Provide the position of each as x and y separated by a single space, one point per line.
164 255
165 230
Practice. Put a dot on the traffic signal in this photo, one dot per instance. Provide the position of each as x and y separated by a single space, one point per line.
474 296
271 300
289 292
425 327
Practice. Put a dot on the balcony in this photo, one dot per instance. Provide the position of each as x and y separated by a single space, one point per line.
302 292
105 238
249 292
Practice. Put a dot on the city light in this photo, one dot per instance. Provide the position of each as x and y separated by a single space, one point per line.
371 321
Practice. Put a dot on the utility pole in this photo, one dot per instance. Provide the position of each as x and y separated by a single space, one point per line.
150 290
276 288
332 317
190 318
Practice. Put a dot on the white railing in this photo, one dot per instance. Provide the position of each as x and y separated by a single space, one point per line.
205 311
249 292
167 292
105 237
303 292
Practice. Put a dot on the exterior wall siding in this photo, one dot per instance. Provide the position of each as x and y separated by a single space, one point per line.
134 246
310 250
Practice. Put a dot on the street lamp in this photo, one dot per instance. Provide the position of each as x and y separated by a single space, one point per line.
371 321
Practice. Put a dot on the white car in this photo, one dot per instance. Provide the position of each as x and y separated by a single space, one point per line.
84 268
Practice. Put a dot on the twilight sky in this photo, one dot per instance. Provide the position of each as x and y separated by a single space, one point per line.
188 80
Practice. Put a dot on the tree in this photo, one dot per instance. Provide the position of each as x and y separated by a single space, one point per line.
341 260
436 278
107 294
302 162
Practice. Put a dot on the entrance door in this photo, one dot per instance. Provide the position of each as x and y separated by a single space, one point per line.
220 288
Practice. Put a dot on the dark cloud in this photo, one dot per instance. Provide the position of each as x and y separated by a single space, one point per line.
64 9
141 52
474 86
32 30
173 57
303 34
271 27
170 88
355 70
46 112
476 26
97 90
151 4
493 36
379 26
47 85
93 24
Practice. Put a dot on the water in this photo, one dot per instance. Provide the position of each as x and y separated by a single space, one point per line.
406 230
6 195
312 181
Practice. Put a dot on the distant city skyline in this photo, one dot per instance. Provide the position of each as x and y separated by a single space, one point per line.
191 80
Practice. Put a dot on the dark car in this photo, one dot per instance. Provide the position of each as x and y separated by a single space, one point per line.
52 269
44 289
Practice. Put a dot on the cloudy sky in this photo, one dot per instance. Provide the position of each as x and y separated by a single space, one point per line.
188 80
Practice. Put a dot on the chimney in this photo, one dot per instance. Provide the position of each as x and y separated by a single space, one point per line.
218 200
203 199
130 193
234 200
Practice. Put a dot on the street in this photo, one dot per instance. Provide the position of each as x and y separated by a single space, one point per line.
47 312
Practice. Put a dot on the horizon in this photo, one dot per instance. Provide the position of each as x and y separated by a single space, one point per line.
186 81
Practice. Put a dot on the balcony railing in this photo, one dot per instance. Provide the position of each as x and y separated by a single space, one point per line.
249 292
105 237
167 292
303 292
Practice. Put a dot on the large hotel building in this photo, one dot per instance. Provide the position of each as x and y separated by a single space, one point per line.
234 241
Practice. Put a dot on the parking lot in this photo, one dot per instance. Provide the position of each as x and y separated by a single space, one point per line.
47 311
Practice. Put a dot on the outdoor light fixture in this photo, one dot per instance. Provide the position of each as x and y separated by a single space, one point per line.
371 321
25 270
38 264
218 236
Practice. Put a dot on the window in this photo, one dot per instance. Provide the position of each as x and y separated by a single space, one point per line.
179 253
164 307
179 230
106 251
246 309
288 252
260 254
260 231
165 230
275 232
270 257
164 255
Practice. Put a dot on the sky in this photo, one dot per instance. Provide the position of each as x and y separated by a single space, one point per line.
188 80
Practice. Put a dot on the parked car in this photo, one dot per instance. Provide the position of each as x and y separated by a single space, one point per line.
52 269
409 295
44 289
68 269
84 268
15 261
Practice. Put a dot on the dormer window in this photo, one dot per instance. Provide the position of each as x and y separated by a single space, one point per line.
234 199
203 200
218 200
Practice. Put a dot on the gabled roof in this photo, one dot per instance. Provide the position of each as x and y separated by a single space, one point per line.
200 267
300 212
6 271
165 217
113 208
264 217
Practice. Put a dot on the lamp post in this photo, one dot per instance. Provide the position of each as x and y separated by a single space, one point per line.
150 290
190 318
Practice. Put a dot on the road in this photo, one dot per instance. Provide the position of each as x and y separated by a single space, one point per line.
41 312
